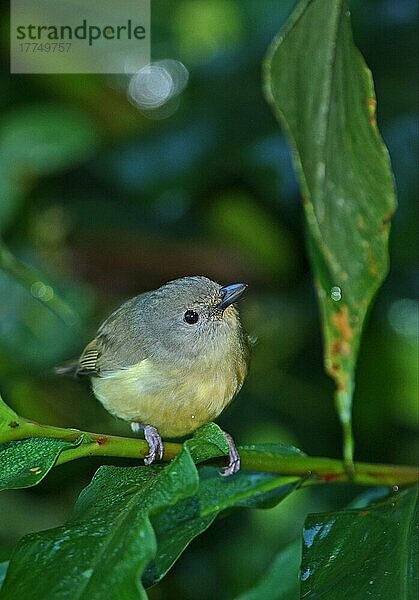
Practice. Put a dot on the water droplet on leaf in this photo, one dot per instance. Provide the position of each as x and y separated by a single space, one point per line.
336 293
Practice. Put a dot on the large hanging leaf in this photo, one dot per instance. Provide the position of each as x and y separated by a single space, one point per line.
322 92
367 553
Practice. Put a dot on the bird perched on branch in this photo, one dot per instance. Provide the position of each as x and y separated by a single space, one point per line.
170 360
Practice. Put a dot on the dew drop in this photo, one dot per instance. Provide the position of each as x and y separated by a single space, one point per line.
336 293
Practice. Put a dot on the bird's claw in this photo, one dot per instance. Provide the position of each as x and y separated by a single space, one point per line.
234 458
155 443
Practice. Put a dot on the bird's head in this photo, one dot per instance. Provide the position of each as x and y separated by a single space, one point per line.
194 316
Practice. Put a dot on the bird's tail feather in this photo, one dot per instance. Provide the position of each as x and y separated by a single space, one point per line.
68 368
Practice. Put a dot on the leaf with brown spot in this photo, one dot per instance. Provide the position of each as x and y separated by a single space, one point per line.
340 320
322 92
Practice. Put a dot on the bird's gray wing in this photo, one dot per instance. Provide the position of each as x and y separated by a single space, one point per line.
119 344
120 340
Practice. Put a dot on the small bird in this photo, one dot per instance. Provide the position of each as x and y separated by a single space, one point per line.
170 360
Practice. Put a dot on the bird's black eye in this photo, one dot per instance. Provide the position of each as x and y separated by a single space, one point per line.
191 317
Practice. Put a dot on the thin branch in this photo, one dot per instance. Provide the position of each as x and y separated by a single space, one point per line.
317 470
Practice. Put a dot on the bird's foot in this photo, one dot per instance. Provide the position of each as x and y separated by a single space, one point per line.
152 437
234 458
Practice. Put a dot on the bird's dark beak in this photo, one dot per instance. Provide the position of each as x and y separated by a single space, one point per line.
229 294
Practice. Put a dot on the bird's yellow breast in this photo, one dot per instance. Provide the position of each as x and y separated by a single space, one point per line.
176 402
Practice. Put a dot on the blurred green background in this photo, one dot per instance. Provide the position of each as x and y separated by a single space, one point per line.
106 202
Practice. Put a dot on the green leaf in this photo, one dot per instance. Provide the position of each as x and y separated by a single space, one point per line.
26 462
8 417
208 441
272 449
368 553
281 581
131 517
322 92
103 549
177 526
111 519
